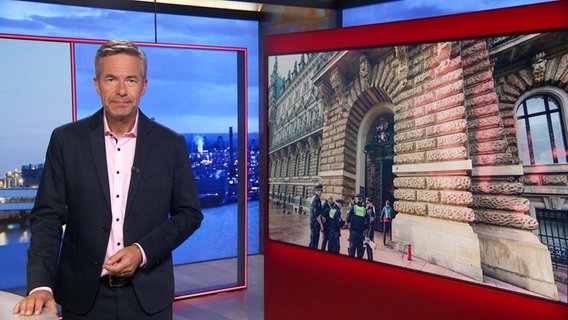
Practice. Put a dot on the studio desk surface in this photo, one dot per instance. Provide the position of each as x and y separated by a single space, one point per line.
8 301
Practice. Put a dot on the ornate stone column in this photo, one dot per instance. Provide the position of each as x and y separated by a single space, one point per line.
509 250
431 163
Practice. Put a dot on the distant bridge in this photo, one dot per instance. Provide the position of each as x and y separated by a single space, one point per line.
16 212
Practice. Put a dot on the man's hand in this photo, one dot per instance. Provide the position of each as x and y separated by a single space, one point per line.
125 262
34 303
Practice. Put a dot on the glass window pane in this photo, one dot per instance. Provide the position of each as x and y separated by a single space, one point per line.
44 19
559 141
523 142
540 140
521 110
26 121
534 105
552 104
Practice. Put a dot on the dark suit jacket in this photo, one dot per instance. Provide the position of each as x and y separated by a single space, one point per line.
162 211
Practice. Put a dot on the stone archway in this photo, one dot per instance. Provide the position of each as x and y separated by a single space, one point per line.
375 153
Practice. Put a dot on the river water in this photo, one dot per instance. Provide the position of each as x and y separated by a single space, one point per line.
215 239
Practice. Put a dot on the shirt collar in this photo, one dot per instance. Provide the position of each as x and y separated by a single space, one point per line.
131 133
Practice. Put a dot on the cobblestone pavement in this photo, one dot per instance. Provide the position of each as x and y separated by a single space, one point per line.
294 229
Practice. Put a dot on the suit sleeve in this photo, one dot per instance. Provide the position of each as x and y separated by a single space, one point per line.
47 218
185 214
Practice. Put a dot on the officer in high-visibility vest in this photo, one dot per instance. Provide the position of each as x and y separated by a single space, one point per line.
333 224
358 220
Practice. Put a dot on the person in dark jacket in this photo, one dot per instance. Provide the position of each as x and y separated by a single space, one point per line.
325 230
121 187
315 217
369 233
333 224
358 221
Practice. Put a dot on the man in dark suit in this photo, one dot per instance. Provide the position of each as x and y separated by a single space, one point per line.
121 187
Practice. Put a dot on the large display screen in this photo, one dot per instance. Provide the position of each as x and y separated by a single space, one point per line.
49 81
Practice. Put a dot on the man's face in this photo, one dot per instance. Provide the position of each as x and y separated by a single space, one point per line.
120 86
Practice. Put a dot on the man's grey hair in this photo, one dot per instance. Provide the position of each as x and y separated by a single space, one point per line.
113 47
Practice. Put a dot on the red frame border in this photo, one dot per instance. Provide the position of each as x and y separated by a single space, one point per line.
242 120
523 19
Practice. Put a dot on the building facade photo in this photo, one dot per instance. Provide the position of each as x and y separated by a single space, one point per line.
467 138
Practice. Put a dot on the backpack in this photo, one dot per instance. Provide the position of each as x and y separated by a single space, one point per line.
390 212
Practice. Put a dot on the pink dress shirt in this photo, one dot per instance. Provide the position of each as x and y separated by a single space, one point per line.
120 159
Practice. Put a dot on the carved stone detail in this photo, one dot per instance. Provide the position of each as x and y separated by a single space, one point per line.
404 147
486 135
452 140
457 153
417 208
432 196
458 198
448 183
497 188
409 135
498 146
539 67
426 144
554 203
555 179
364 72
447 128
405 194
501 203
494 159
418 157
451 213
506 218
410 182
530 180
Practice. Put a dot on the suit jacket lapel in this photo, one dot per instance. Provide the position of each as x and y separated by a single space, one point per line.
97 140
144 142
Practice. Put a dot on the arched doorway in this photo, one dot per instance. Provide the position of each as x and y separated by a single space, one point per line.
374 164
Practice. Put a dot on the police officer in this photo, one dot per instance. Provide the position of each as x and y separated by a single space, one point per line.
370 231
315 217
358 221
325 208
333 224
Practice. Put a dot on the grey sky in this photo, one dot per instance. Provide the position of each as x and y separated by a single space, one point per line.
26 88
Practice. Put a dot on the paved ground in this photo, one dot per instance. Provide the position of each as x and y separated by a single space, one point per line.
294 228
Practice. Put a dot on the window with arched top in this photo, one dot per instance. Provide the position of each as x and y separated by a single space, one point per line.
541 130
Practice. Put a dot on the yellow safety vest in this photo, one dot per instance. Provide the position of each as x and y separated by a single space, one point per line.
360 211
332 213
